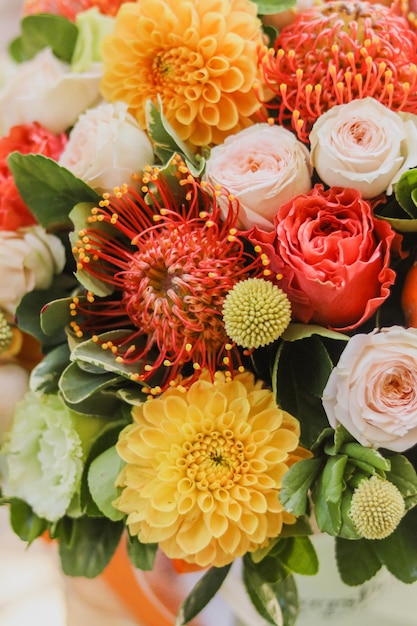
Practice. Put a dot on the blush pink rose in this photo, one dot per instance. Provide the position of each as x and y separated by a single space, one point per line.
372 391
333 255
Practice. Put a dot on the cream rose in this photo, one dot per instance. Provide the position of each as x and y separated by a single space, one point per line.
363 145
106 146
263 166
44 90
29 258
372 391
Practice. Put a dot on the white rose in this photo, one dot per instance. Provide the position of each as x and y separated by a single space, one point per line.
263 166
29 258
363 145
44 90
106 146
41 459
372 391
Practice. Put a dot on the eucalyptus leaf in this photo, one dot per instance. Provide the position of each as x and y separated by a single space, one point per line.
141 555
41 31
49 190
201 594
357 561
92 544
102 474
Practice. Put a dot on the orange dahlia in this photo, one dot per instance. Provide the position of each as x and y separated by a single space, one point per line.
198 56
168 264
204 469
336 52
70 8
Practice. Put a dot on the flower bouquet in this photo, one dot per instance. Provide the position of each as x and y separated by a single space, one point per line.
208 222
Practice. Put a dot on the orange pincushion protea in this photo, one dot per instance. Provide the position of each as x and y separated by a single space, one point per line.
70 8
336 52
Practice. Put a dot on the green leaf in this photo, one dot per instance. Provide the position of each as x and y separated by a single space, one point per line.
327 495
201 594
44 378
102 475
368 455
267 597
141 555
296 331
49 190
296 484
28 314
92 353
42 31
165 140
77 385
24 522
356 560
93 542
55 315
299 556
403 475
404 189
300 373
398 552
269 7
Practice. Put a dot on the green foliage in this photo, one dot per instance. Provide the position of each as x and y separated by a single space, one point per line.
357 561
297 483
269 7
302 366
165 140
102 474
141 555
49 190
201 594
87 545
24 522
401 212
45 376
42 31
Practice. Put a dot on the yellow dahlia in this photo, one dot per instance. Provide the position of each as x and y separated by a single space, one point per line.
204 467
198 56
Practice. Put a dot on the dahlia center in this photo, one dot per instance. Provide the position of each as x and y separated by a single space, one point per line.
214 460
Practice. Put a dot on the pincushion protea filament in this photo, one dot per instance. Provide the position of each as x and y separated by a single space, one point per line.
170 262
336 52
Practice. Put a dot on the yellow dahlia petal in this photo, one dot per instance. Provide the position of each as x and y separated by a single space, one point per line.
199 58
207 491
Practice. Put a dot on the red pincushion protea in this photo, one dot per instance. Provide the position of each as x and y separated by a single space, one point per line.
336 52
171 265
70 8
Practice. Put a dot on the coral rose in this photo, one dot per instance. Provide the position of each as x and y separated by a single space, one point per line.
373 389
333 255
263 166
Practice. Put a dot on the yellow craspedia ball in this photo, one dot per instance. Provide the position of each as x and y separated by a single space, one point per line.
6 334
255 313
377 508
